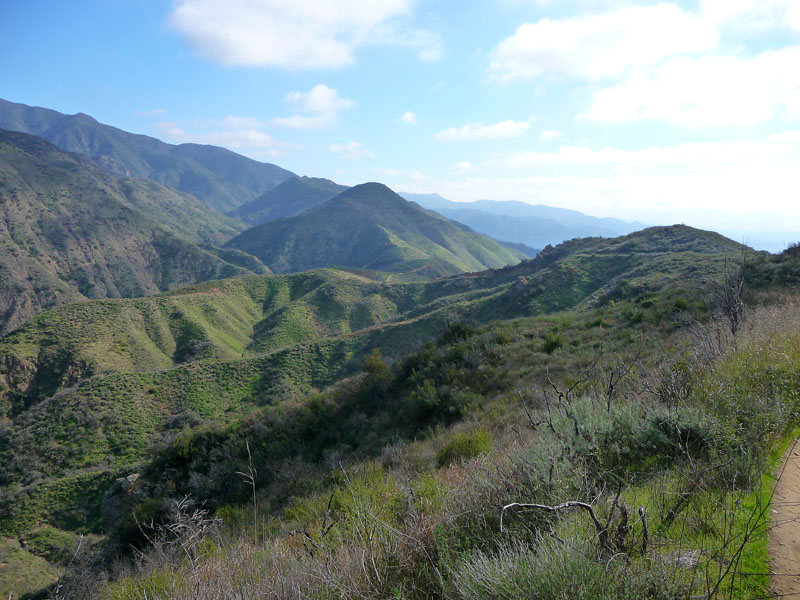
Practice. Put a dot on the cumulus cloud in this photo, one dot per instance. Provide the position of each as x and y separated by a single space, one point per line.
479 131
706 91
230 132
350 150
427 45
753 15
409 118
549 134
601 46
299 34
400 177
685 157
744 186
318 107
792 137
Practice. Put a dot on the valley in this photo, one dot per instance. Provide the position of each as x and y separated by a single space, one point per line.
219 379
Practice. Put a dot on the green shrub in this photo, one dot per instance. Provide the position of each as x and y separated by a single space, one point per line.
552 341
56 545
559 571
631 437
464 445
379 375
680 304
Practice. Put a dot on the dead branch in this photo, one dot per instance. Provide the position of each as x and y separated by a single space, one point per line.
571 504
645 531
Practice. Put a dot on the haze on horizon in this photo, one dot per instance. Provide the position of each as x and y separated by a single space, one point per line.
661 112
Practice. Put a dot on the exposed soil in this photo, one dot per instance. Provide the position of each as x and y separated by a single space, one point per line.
784 543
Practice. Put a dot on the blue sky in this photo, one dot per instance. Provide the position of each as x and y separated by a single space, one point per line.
662 112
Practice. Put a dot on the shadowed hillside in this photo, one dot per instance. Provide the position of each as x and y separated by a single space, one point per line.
371 227
71 232
288 199
220 178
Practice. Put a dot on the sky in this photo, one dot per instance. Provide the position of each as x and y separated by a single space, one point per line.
660 112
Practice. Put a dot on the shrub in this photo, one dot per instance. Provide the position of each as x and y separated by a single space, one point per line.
557 571
379 375
464 445
681 304
552 341
456 332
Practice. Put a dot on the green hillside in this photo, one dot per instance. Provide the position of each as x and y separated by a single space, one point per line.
371 227
220 178
89 390
288 199
72 232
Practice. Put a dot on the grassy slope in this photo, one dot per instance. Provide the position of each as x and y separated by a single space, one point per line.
71 232
111 381
218 177
178 211
371 227
248 316
686 436
21 570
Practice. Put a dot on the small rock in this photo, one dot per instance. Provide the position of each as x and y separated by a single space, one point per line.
687 560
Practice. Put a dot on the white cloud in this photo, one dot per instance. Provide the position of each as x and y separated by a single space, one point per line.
230 132
463 167
350 151
321 106
706 91
426 44
747 200
745 186
792 137
479 131
409 118
400 177
299 34
149 113
753 15
681 158
601 46
549 134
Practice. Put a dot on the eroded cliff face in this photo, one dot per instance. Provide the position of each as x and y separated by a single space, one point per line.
16 376
26 381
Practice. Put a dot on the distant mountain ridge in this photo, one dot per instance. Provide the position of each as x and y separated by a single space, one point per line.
222 179
71 232
533 225
370 227
290 198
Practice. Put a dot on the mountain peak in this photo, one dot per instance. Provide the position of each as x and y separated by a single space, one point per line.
371 227
370 187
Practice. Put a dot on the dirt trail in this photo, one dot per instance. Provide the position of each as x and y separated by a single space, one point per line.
784 542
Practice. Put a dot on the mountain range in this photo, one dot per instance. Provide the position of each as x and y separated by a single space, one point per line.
222 179
164 310
94 218
242 187
535 226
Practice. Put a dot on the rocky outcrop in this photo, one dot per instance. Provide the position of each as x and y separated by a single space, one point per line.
16 377
25 381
